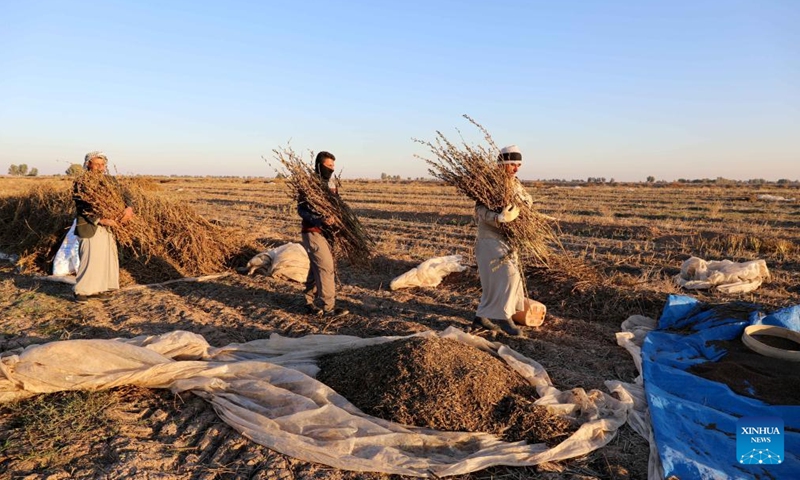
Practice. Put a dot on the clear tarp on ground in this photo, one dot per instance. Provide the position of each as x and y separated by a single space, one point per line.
265 389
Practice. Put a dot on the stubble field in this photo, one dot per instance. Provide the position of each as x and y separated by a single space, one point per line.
622 244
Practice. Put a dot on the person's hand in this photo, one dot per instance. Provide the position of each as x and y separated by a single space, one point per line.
328 221
508 214
127 214
108 222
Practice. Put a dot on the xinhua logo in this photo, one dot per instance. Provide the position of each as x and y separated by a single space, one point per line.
759 440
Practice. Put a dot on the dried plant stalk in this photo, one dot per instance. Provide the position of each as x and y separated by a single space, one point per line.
474 171
351 240
31 224
105 195
164 233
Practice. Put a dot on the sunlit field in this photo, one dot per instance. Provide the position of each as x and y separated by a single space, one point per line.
624 244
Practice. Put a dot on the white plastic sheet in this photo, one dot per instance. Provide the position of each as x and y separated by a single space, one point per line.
774 198
288 262
67 261
631 337
265 389
429 273
725 276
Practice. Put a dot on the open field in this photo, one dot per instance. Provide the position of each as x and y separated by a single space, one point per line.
629 240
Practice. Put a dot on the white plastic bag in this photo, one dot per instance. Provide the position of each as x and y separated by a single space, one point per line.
67 260
726 276
428 273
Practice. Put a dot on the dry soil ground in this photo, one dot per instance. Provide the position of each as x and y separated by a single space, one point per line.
629 240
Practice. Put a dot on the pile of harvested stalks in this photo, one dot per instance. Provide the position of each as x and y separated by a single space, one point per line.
351 240
165 240
474 171
162 228
32 224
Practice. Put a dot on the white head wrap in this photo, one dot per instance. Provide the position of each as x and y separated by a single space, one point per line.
510 155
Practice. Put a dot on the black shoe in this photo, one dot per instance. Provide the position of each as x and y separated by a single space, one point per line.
81 298
482 323
314 310
336 312
508 327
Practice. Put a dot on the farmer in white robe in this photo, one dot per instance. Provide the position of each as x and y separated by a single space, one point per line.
98 271
503 293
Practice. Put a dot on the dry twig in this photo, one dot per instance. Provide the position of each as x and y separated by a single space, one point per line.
473 170
352 240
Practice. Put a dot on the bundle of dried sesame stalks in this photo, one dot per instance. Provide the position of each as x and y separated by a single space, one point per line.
351 240
474 171
104 194
166 233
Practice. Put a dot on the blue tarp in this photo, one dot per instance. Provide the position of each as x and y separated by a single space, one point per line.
694 419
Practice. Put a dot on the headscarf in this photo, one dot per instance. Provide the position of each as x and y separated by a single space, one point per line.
91 156
510 155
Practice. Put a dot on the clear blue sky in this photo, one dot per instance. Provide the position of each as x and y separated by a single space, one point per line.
622 89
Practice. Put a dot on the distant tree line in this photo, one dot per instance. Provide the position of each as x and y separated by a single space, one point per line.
728 181
387 177
652 180
396 178
22 169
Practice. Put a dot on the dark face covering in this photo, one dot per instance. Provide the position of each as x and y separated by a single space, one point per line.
324 172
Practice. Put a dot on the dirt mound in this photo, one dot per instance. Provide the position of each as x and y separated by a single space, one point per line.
753 375
445 385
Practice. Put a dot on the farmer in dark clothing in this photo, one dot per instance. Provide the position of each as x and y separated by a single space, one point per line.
317 240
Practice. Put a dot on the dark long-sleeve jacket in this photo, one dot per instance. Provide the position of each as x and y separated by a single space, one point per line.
311 219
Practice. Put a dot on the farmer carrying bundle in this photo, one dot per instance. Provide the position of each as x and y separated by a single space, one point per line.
327 223
508 226
503 293
99 206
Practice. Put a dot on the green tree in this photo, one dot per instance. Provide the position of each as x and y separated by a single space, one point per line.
651 179
74 170
21 169
34 172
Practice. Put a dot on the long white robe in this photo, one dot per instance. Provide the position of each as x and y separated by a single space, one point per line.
99 263
502 291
